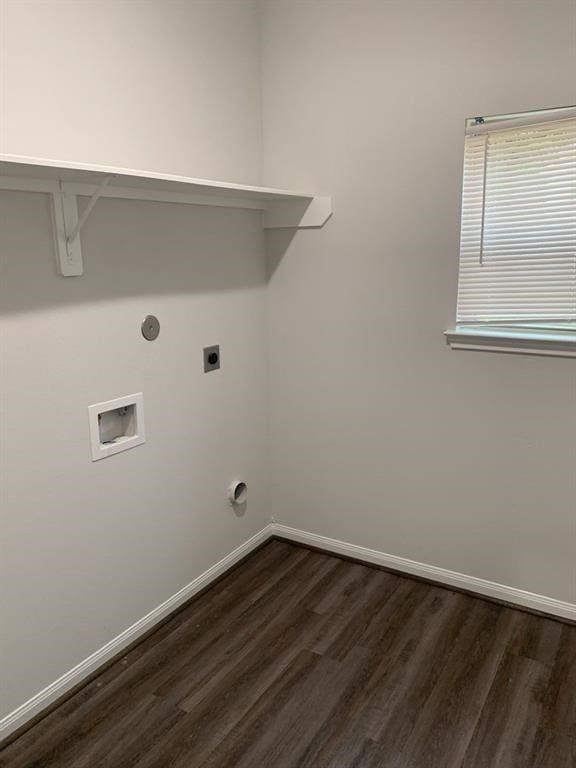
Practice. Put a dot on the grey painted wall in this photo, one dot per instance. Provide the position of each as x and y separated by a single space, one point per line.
463 460
89 548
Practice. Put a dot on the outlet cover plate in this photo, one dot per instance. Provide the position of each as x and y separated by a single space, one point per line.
211 358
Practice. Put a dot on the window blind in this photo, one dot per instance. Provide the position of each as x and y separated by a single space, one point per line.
518 232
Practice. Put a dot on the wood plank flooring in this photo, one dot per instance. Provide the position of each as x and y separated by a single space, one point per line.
297 659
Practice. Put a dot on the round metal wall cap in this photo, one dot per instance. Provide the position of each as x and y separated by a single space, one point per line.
150 327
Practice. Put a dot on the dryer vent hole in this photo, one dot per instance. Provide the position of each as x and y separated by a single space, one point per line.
240 493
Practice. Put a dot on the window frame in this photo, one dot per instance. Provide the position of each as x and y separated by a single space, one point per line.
511 338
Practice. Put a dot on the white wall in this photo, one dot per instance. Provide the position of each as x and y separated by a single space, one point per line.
382 436
168 86
89 548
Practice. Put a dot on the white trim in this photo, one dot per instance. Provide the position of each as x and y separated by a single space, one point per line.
80 672
518 342
491 589
512 595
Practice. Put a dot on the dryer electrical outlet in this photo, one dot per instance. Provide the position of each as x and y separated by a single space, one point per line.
116 425
211 358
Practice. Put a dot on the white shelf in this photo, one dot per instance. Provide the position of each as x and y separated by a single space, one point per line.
281 208
140 181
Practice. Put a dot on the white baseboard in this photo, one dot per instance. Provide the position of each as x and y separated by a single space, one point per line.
490 589
44 698
519 597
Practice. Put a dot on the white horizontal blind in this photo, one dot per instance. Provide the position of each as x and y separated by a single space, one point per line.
518 236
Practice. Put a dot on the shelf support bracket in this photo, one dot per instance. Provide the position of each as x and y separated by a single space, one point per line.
88 210
67 226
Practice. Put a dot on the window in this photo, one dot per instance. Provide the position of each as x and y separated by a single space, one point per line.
517 280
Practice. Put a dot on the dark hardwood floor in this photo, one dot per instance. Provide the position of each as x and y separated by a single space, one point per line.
297 659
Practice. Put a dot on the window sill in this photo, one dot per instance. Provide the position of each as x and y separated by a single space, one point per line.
512 341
